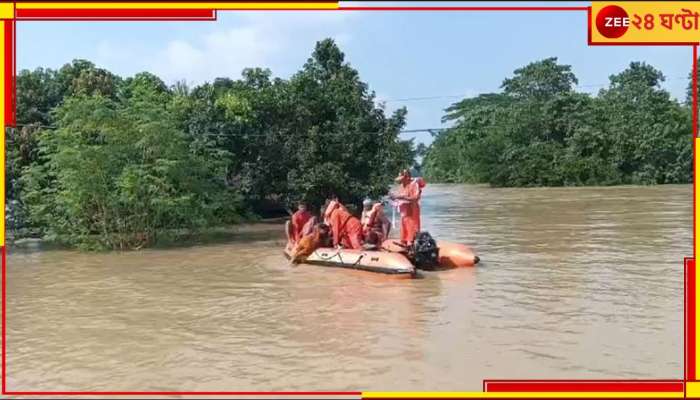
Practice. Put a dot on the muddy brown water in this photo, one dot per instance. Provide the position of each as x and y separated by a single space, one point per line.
580 283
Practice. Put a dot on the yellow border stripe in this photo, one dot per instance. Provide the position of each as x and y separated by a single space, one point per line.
692 389
538 395
202 5
7 10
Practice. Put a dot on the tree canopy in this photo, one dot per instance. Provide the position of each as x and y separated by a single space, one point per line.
540 132
101 161
105 162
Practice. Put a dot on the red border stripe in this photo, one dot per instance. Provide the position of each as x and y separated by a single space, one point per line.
585 386
9 73
116 14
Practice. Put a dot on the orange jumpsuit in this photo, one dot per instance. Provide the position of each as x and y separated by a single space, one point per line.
299 219
410 211
347 230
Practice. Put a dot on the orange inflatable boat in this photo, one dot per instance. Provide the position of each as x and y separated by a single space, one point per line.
390 259
450 255
385 262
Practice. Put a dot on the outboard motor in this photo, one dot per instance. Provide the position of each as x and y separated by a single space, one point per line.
424 252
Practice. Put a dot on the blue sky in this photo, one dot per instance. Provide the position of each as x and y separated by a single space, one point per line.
402 55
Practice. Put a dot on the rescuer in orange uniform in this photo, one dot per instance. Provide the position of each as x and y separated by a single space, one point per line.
301 224
408 197
346 229
375 225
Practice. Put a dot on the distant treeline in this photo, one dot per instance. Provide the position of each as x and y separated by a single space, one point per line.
538 131
99 161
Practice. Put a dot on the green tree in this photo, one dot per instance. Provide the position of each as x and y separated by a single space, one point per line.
645 126
118 163
540 132
38 92
145 86
346 144
540 80
120 175
515 138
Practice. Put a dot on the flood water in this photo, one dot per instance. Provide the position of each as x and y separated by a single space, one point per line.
582 283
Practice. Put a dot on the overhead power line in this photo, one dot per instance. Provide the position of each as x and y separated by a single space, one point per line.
423 98
461 96
429 130
432 131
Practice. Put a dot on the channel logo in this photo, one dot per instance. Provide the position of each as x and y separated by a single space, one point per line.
612 21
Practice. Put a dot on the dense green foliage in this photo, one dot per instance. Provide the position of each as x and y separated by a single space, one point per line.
104 162
100 161
540 132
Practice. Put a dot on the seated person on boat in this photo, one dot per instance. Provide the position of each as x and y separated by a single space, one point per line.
301 224
375 225
345 228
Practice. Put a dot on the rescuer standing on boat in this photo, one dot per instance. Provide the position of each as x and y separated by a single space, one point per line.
408 197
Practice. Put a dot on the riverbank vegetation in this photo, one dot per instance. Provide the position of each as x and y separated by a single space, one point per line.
539 131
99 161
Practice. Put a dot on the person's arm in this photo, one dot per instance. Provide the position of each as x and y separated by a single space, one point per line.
413 194
335 228
289 230
410 198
